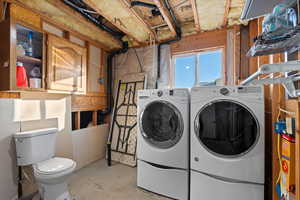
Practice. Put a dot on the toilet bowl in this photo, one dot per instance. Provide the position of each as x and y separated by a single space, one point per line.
52 176
37 148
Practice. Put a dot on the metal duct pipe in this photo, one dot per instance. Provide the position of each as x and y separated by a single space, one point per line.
117 35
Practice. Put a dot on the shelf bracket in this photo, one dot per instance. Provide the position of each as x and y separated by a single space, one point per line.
269 69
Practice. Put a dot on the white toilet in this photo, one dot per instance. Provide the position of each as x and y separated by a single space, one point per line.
37 148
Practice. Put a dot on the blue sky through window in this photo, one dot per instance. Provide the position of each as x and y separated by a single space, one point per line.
210 66
209 69
185 72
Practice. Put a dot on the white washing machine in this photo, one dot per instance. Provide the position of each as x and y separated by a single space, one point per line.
163 142
227 143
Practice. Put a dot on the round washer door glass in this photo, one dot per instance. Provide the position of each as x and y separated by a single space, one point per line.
227 128
161 124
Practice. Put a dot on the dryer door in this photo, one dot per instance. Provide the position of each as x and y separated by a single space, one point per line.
161 124
226 128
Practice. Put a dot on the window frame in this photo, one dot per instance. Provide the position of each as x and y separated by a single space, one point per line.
195 53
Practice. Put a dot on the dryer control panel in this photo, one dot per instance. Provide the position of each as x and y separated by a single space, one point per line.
143 94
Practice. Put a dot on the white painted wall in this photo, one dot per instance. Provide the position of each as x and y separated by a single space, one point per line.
8 169
89 144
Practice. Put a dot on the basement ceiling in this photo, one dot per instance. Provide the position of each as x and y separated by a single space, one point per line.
139 24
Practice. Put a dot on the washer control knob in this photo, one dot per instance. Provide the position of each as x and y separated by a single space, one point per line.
224 91
196 159
159 93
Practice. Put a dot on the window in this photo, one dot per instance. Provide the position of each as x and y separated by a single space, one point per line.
203 69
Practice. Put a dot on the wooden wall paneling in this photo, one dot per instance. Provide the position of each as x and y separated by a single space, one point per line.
201 41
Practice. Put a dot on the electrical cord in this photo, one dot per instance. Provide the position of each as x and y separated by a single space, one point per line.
140 64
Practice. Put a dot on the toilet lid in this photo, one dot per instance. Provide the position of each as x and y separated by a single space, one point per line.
54 165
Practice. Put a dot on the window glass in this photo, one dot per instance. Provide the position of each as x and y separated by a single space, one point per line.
210 67
185 71
204 68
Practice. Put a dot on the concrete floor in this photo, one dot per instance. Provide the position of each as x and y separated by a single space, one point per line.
99 182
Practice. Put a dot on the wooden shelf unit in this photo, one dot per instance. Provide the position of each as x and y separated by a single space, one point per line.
14 33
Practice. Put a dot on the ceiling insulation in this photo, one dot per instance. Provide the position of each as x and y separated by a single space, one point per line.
121 16
211 14
56 14
235 11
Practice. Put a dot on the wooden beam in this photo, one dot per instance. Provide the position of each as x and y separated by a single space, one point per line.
59 4
95 118
138 17
227 8
10 95
112 20
77 120
166 15
196 15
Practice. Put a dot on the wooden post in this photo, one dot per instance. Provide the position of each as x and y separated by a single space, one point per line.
77 120
294 106
237 54
95 116
297 152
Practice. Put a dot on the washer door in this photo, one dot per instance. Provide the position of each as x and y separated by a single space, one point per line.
161 124
226 128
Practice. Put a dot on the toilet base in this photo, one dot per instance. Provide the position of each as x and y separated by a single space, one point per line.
54 191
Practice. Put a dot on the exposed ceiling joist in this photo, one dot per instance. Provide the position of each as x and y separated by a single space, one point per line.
227 8
166 15
121 17
196 16
70 20
59 4
134 13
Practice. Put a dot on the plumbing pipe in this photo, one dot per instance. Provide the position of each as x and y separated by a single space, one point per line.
178 37
117 35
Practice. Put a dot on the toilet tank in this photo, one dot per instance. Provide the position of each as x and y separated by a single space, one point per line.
35 146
